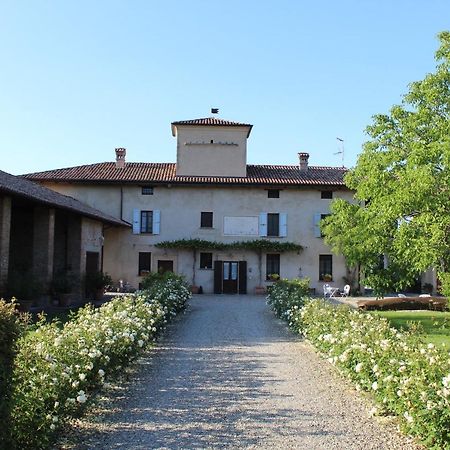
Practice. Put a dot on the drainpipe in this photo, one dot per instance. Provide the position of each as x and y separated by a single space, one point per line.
121 203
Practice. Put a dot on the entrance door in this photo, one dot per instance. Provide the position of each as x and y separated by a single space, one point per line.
92 262
165 265
230 277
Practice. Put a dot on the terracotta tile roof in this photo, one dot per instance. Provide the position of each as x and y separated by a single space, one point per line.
211 121
18 186
154 173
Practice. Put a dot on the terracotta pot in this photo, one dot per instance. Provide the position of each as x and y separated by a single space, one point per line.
260 290
194 289
99 293
65 299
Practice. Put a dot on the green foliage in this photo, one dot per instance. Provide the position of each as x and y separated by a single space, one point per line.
97 280
62 283
435 325
191 244
285 295
12 326
406 376
402 181
59 369
260 245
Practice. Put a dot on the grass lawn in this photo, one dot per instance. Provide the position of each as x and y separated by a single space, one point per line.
436 325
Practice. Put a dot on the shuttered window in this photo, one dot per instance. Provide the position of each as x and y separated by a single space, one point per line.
146 221
273 224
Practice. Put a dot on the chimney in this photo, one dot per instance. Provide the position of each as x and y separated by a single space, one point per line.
303 161
120 157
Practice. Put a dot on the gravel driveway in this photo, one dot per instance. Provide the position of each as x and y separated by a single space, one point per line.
229 374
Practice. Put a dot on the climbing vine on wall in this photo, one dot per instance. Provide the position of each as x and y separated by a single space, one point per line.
258 245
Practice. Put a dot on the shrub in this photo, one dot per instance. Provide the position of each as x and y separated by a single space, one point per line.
286 295
169 288
406 376
11 327
58 369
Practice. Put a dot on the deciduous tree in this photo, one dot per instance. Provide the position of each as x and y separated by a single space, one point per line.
402 188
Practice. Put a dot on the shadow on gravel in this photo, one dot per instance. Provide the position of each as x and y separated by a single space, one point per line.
207 385
208 404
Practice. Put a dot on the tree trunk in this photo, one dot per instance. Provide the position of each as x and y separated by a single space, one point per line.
193 266
260 266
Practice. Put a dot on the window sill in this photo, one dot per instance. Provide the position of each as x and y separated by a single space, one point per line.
205 268
206 228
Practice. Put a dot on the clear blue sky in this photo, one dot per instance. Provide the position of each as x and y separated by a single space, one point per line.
79 78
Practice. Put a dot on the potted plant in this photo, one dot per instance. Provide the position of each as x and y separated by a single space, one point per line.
96 282
327 277
273 276
61 288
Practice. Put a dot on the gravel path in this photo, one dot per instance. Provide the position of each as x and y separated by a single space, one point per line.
230 375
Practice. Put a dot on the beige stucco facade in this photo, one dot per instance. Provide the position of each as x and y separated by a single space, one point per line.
217 151
180 211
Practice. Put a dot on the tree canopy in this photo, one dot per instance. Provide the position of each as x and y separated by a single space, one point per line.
401 183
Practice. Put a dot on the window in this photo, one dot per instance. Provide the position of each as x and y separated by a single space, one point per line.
325 266
206 220
272 265
273 193
206 261
147 190
146 221
326 194
145 264
273 224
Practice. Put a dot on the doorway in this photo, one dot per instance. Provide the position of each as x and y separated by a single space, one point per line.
92 262
165 265
230 277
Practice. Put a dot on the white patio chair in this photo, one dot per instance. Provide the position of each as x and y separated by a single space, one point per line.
326 290
346 291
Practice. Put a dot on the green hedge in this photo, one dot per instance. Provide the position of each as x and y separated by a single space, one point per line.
406 376
58 368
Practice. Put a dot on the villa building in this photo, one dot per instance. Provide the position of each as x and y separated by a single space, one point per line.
212 194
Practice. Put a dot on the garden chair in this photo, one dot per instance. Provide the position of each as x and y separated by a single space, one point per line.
326 290
346 291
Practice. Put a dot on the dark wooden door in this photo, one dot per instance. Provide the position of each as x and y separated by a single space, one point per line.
165 265
230 277
218 266
242 277
92 262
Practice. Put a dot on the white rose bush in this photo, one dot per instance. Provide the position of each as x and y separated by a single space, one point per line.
59 368
406 376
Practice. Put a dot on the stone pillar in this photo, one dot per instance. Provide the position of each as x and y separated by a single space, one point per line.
74 253
5 230
43 244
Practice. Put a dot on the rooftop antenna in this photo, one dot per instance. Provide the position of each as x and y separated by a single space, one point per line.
341 151
214 110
